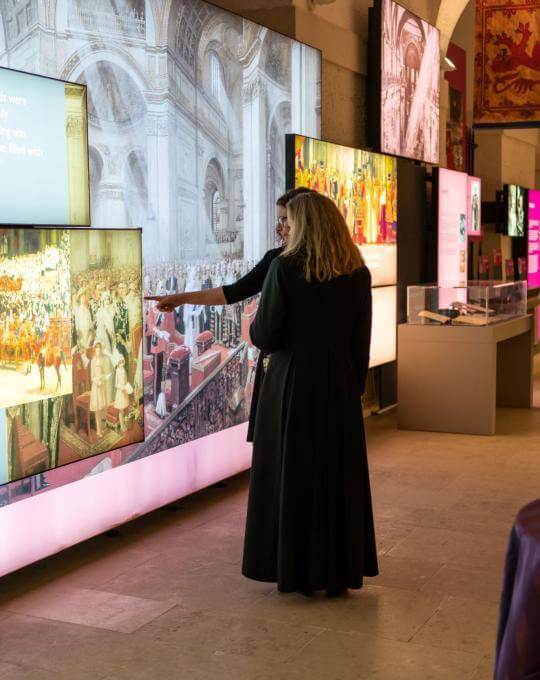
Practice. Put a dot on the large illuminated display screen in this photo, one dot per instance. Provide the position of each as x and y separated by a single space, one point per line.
451 187
43 151
405 73
474 207
177 144
515 207
70 346
364 187
533 239
383 329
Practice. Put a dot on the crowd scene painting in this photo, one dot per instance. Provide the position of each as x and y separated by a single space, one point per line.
364 187
185 348
410 87
35 315
101 355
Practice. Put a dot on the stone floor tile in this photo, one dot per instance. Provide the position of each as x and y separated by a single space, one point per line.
485 669
87 607
405 573
463 624
231 634
481 584
374 610
452 547
347 656
210 587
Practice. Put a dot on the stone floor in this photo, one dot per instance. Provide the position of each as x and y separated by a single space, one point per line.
165 599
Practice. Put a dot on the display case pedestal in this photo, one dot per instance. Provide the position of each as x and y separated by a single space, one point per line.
452 378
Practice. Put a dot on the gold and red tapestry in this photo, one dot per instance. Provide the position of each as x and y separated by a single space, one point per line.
507 63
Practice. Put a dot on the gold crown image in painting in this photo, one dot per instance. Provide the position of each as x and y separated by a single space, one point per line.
35 315
71 346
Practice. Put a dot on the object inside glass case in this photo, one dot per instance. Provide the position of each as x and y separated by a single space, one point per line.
481 303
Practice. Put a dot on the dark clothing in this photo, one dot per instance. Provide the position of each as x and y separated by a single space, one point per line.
248 286
310 521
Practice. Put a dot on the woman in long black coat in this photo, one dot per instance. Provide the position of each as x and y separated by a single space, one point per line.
310 523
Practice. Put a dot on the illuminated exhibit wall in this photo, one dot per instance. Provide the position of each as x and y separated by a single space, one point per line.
183 106
43 150
364 187
70 346
452 232
409 84
533 239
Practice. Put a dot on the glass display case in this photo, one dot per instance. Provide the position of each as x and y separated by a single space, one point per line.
480 303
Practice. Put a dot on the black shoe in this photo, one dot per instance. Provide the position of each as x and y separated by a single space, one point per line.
308 592
336 592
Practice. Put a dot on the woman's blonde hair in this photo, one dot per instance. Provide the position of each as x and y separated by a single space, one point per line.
320 238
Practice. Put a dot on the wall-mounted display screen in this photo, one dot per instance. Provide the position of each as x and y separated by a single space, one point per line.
43 151
177 145
451 188
474 206
70 346
364 187
533 239
383 331
515 209
408 83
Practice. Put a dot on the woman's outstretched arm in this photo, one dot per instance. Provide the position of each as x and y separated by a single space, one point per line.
210 296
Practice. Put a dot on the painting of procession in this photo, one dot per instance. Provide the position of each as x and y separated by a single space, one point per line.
70 346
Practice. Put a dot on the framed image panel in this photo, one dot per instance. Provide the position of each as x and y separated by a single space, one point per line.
70 346
44 172
515 209
474 207
408 89
451 194
364 187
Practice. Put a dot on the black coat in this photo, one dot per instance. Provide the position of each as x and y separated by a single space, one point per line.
248 286
310 522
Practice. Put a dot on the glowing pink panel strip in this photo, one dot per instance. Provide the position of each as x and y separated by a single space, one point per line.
47 523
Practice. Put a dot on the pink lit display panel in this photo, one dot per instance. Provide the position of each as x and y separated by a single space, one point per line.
533 259
452 219
474 207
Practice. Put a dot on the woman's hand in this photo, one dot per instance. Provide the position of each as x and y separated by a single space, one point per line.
165 303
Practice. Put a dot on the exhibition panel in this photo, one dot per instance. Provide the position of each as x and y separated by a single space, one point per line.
178 143
364 187
43 139
474 206
514 210
404 70
450 191
70 346
533 239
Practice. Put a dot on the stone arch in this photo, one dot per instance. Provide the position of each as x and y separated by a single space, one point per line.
95 51
448 16
214 181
